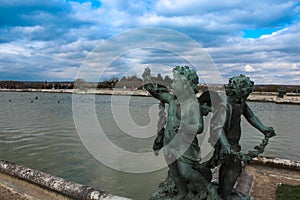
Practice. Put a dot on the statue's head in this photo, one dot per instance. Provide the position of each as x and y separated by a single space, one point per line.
239 88
186 76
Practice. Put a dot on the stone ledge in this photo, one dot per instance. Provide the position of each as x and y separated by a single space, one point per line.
55 184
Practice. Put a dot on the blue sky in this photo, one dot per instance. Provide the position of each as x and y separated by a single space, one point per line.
49 40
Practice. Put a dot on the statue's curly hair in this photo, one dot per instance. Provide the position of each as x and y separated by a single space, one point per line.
189 75
239 85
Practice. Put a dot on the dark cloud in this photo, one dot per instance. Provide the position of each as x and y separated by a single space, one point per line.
50 39
31 12
37 20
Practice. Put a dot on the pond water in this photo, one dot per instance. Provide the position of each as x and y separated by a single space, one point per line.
37 130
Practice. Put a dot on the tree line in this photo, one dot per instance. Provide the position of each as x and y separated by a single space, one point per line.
133 82
114 82
128 82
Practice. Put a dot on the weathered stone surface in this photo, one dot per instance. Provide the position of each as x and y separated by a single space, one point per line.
56 184
277 162
166 191
17 189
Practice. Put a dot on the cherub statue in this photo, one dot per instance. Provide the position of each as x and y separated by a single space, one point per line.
226 132
184 121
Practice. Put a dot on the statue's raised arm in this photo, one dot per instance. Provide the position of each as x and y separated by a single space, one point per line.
146 76
157 91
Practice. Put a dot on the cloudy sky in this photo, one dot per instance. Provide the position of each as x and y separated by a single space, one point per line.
50 40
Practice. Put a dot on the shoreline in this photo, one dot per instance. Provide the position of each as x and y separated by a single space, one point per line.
120 92
22 183
289 98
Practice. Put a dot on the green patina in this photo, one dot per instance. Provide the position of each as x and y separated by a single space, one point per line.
177 135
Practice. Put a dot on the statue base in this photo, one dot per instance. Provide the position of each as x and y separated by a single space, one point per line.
167 190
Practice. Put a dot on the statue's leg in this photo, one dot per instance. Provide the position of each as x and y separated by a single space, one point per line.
204 170
222 170
228 174
197 184
178 179
196 181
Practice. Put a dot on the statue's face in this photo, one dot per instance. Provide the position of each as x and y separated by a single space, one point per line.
240 96
178 84
239 88
181 86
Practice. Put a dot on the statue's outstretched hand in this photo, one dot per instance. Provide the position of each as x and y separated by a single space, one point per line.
227 150
205 109
269 132
146 75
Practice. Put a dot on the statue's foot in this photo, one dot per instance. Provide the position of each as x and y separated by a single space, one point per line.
212 193
236 196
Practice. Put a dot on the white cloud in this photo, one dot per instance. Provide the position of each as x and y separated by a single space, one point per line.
249 68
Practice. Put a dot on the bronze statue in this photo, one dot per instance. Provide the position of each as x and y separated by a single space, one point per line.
188 179
225 133
184 121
